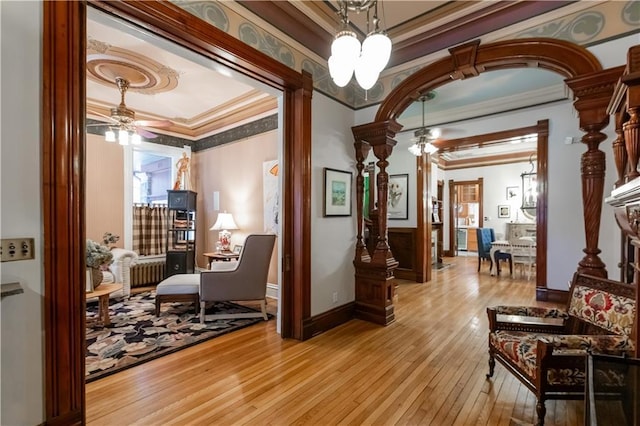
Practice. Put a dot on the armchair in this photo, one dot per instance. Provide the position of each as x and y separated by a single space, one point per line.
245 279
546 348
120 271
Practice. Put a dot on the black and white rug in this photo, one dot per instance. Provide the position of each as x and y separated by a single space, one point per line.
136 335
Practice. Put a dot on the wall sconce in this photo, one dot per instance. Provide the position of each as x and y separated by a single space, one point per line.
529 191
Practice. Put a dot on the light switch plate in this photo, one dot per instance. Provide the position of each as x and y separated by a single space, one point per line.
17 249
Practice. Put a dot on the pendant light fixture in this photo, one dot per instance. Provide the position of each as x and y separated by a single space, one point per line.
349 57
424 136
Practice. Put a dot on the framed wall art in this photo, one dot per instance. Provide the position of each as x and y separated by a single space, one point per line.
398 200
337 193
504 211
513 192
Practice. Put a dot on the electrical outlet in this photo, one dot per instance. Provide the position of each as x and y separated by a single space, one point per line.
17 249
335 297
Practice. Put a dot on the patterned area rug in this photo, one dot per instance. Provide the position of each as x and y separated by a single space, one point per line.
136 335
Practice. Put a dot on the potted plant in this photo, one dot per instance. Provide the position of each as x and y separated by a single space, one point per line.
98 257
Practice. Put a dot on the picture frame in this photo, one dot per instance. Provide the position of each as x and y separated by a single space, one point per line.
397 199
237 249
504 211
337 193
513 192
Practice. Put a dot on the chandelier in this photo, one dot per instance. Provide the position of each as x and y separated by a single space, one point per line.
424 136
349 57
125 136
529 189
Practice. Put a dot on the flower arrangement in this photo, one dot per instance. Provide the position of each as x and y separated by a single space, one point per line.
97 255
109 238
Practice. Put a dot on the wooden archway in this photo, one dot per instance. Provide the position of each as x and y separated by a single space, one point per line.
592 88
63 173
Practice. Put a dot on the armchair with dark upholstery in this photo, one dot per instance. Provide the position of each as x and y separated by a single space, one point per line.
244 280
546 348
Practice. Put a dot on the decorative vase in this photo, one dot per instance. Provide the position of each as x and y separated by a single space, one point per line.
96 277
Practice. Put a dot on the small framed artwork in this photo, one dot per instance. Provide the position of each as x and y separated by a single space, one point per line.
398 200
504 211
237 249
513 192
337 193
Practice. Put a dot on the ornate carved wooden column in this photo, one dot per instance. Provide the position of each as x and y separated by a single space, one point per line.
593 93
374 268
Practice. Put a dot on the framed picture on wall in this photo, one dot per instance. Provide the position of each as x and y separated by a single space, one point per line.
513 192
398 200
337 193
504 211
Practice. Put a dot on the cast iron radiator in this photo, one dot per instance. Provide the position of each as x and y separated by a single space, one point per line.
147 273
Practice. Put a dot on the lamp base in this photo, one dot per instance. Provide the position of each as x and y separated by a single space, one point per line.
225 240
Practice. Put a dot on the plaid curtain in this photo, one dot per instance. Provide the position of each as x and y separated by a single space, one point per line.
149 229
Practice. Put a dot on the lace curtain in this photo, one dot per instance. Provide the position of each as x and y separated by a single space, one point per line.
149 229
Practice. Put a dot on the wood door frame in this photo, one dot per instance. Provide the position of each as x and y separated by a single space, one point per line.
63 176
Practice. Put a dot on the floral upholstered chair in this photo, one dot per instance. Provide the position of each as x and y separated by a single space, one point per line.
546 348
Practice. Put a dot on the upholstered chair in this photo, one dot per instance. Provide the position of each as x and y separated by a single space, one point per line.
244 280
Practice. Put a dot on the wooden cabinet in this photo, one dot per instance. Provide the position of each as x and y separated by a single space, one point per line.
181 233
472 239
518 230
469 194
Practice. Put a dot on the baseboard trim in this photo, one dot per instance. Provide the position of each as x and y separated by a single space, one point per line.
327 320
552 295
272 291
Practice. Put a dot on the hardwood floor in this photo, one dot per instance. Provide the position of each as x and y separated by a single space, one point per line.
427 368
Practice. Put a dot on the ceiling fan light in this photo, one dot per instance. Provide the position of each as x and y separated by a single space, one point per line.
435 133
123 137
430 148
340 71
377 48
366 75
136 139
415 150
110 136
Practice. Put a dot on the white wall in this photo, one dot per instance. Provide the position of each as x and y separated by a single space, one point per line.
332 238
22 340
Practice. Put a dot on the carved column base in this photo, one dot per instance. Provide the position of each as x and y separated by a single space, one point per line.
375 290
592 265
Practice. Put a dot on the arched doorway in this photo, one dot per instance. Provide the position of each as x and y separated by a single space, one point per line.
63 171
592 89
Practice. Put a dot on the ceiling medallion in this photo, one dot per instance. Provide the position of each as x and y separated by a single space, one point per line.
105 63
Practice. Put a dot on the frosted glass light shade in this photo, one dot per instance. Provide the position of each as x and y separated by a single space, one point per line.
123 137
366 75
340 71
419 148
377 48
110 136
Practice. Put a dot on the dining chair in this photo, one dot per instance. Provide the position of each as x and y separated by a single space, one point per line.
523 253
485 237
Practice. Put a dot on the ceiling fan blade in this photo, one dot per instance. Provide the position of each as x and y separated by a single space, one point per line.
99 124
101 115
154 123
145 133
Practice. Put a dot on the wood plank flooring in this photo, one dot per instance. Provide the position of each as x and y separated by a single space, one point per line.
427 368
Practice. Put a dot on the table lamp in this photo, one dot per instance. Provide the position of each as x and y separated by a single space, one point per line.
223 224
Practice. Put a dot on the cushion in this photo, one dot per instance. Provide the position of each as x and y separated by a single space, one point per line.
179 284
609 311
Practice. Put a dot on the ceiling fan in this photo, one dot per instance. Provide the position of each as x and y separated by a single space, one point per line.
123 120
424 136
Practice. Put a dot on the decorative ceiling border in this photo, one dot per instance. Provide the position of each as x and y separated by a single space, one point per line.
599 23
243 131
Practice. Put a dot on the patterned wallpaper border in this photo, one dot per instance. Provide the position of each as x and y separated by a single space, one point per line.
602 22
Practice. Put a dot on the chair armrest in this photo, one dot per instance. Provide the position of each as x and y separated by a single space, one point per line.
597 343
121 268
531 311
527 319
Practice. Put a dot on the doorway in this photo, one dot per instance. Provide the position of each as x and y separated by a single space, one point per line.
465 215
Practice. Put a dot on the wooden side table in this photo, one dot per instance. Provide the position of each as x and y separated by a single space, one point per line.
102 293
224 256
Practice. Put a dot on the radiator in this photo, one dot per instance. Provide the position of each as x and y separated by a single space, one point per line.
147 273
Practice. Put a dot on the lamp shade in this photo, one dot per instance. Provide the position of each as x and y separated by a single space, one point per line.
377 49
224 222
